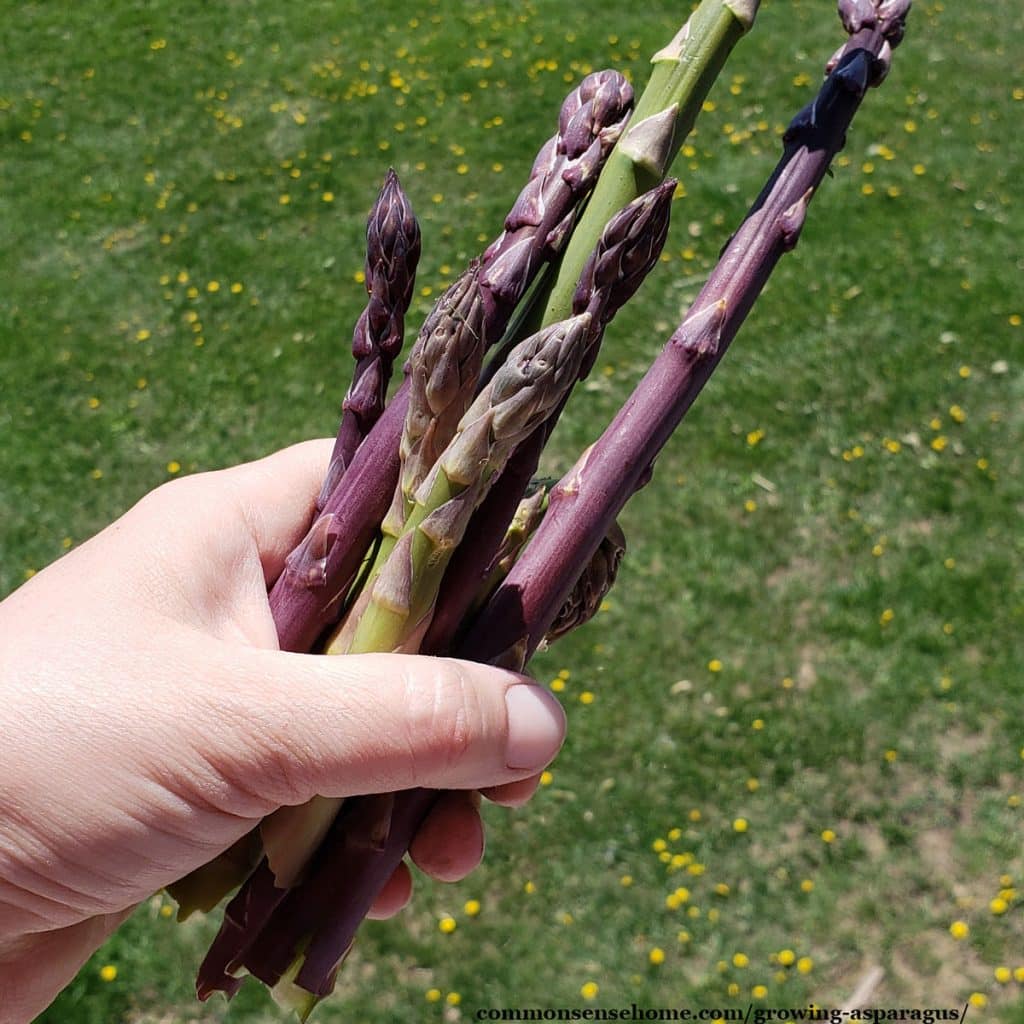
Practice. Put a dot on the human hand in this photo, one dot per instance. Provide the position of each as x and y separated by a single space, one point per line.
150 721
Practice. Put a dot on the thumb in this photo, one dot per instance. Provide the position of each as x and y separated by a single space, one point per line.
292 726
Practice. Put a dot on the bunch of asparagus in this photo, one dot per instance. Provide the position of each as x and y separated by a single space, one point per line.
433 535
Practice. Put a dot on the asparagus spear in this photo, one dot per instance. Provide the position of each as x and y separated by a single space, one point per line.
586 501
324 564
392 253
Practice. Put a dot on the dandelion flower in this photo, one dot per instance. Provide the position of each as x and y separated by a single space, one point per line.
787 957
805 965
433 995
656 956
447 924
108 972
471 907
740 960
959 929
740 825
589 990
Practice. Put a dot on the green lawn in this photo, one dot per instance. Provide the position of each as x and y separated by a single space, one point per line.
817 625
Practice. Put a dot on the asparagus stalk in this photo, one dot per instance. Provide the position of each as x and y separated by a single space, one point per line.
307 597
586 501
392 254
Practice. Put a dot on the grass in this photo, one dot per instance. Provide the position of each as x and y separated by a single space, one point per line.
814 628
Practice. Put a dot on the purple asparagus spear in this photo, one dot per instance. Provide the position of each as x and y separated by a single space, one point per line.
392 254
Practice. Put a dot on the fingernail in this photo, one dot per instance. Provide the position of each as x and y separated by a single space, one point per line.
536 726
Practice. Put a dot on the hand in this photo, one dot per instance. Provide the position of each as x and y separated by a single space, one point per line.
149 721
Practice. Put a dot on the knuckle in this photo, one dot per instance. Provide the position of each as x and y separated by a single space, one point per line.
444 715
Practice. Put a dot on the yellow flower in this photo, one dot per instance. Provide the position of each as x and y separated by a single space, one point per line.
978 999
887 616
759 991
328 197
173 467
108 972
471 907
529 888
891 755
959 929
546 778
740 825
828 836
740 960
656 956
589 990
142 335
757 724
626 881
558 685
807 885
1018 973
732 989
957 413
213 286
714 665
787 957
447 925
659 845
1003 975
998 905
675 833
453 999
433 995
694 814
805 965
586 697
